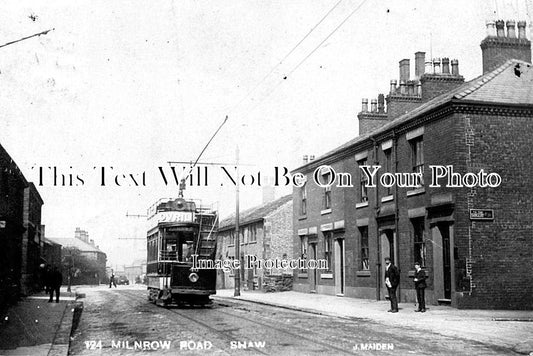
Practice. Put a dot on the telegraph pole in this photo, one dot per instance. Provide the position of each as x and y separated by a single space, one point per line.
237 236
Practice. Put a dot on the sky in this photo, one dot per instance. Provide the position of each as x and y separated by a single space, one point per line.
134 85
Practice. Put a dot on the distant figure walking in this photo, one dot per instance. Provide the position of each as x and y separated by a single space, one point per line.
55 279
112 280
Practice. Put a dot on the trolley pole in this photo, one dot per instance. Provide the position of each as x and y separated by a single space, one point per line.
237 236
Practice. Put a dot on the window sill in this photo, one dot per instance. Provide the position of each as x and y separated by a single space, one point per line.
325 211
326 276
362 273
387 198
361 205
302 275
302 217
252 242
416 191
232 245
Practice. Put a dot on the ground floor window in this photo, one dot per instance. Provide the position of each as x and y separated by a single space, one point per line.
419 241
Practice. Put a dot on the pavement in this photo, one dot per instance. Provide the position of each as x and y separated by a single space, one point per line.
35 327
512 329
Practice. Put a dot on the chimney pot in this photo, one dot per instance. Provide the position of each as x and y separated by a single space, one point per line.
402 87
374 105
429 67
365 105
511 33
305 159
411 88
455 67
500 31
311 158
491 28
393 86
381 103
521 29
419 89
436 65
445 66
404 70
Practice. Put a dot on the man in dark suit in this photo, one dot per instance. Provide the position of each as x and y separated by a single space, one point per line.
55 280
392 279
420 286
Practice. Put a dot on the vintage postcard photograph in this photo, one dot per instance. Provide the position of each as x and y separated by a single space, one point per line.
266 177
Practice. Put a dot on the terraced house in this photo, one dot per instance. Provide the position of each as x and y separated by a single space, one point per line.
472 239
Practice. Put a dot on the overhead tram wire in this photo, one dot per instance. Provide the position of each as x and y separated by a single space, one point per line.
279 83
285 57
305 58
182 185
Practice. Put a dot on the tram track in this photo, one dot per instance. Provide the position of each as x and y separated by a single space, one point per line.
329 346
227 336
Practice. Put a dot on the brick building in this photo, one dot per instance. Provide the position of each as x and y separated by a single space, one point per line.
31 249
86 261
12 187
265 231
472 241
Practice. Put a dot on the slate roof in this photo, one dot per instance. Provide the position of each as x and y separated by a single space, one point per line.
74 242
255 213
510 83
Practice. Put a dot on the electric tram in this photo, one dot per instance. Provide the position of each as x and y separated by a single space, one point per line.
180 229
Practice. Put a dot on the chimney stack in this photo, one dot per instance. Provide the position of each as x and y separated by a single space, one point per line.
445 66
497 50
381 103
365 105
511 33
420 58
404 70
455 67
500 31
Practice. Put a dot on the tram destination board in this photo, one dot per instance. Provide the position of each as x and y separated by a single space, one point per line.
481 214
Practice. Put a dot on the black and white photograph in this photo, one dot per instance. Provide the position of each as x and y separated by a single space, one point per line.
266 177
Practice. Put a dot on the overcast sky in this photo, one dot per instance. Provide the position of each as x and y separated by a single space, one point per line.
135 84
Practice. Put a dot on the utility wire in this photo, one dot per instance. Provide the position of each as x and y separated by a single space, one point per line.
27 37
286 56
305 58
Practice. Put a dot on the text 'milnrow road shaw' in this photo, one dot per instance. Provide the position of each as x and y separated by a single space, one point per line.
178 230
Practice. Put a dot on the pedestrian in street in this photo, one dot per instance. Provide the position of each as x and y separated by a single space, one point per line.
420 286
392 279
55 280
112 280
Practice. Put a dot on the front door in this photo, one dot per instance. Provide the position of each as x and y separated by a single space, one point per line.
386 240
339 266
446 260
312 271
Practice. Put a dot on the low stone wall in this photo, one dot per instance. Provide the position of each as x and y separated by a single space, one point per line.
277 282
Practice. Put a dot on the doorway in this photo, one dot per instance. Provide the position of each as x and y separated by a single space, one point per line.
312 272
386 240
444 229
339 266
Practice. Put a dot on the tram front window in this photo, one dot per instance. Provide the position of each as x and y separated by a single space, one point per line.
177 251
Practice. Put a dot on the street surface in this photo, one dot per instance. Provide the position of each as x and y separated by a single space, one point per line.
120 321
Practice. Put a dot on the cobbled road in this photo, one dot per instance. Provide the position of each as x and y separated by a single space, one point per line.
120 321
